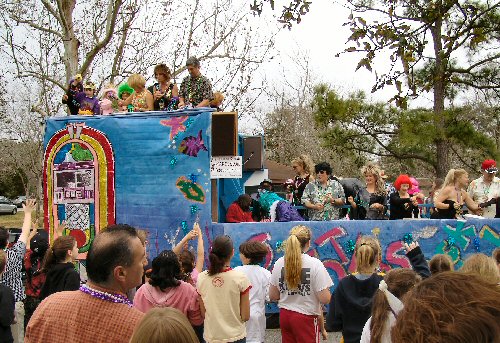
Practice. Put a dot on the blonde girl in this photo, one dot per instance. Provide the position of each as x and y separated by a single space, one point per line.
453 196
351 303
300 283
142 99
482 265
370 202
303 167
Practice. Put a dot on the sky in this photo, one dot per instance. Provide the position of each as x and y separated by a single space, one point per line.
320 36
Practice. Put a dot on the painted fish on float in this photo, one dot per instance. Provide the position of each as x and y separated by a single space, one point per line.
192 145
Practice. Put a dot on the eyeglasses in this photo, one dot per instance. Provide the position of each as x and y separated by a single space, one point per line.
88 89
321 172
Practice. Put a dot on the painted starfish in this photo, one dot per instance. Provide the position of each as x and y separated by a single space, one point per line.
176 125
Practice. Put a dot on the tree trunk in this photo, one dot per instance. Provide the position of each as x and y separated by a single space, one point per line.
70 41
442 143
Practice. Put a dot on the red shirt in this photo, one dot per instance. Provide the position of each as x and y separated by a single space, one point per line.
236 215
35 282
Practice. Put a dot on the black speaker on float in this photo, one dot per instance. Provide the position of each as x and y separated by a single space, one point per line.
224 134
253 157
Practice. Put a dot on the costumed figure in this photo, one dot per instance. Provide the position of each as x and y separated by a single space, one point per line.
124 91
165 92
402 204
75 86
88 103
142 99
486 189
109 100
277 208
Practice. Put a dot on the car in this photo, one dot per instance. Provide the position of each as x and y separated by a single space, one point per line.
19 201
6 206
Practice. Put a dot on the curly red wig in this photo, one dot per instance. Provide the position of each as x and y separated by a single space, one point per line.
403 178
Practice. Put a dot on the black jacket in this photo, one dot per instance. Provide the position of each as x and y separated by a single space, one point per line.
7 306
61 277
351 306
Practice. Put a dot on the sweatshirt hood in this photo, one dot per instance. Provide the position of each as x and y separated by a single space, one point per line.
359 293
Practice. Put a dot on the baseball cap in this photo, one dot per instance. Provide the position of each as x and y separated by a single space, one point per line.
489 166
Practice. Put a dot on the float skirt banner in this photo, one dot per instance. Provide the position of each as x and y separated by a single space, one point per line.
333 242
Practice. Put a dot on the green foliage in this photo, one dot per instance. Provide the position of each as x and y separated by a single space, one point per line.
291 13
355 125
11 183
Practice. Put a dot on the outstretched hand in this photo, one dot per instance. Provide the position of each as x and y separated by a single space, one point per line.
61 227
411 246
29 206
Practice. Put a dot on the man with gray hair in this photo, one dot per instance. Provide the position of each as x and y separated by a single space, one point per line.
196 89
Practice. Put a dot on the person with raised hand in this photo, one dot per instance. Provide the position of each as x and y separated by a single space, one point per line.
191 266
12 275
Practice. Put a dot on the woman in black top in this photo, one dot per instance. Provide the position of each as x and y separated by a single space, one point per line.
165 93
452 196
58 264
401 203
304 170
370 201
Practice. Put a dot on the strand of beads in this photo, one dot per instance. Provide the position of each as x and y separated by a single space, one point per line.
115 298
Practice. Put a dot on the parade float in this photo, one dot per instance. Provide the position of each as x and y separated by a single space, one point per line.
156 171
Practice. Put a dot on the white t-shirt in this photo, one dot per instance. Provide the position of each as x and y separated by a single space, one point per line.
480 192
259 278
221 297
315 278
386 335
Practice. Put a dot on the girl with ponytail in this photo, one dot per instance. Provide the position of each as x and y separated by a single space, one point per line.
352 301
224 295
58 264
300 283
387 303
453 196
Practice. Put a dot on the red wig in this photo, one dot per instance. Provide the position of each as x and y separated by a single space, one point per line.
403 178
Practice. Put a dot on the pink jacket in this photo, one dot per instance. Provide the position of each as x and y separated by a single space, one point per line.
184 298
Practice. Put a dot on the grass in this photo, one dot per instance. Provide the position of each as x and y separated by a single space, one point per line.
16 220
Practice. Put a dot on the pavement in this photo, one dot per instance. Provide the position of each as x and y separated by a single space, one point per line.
274 336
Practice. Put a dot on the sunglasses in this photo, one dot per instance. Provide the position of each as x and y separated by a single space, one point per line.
321 172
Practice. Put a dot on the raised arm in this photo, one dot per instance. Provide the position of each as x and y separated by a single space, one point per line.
178 248
28 210
200 252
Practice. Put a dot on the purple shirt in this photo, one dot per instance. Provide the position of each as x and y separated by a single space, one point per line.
88 106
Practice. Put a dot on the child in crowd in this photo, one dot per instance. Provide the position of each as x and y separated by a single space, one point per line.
440 263
483 266
7 304
189 268
252 253
108 100
387 303
449 307
75 86
301 284
124 91
88 103
35 251
142 99
351 304
164 325
496 256
165 290
224 293
58 265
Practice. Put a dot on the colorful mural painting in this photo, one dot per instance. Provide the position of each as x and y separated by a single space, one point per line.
334 242
147 170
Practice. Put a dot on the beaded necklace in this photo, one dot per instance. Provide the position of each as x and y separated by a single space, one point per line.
190 91
115 298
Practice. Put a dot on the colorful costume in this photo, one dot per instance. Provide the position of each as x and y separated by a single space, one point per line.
88 106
